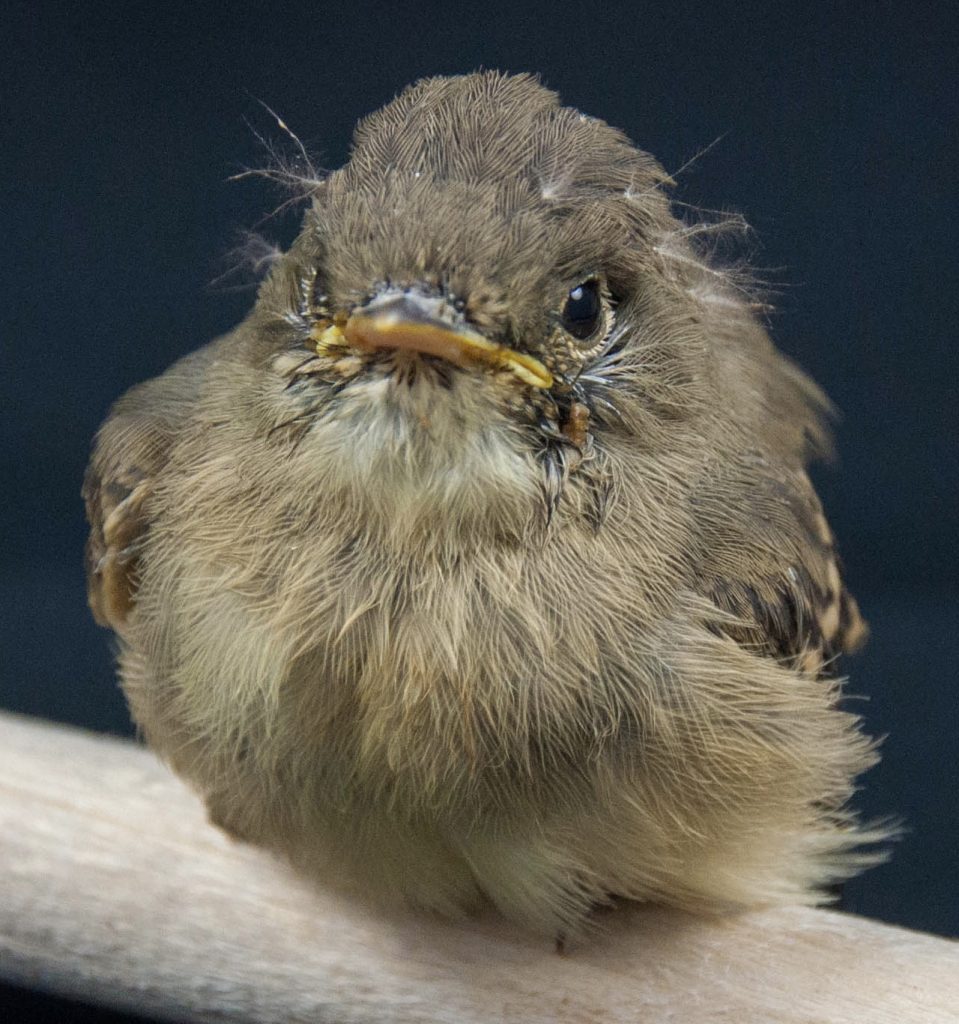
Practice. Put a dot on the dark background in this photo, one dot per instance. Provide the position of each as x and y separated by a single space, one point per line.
838 143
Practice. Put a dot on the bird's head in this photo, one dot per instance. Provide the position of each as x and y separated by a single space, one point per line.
491 303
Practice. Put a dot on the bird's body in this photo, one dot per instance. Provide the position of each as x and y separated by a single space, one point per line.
480 562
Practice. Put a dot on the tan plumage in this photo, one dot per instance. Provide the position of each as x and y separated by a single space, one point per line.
443 635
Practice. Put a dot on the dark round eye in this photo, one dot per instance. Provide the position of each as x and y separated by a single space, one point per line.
582 310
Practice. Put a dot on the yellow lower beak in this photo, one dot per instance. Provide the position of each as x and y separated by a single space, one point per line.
403 322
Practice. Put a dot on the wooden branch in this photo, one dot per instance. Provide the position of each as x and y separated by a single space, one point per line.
114 889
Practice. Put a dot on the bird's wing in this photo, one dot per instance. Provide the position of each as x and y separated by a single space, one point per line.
129 453
115 490
785 592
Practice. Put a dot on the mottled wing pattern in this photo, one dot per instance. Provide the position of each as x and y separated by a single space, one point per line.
794 620
801 613
115 497
130 451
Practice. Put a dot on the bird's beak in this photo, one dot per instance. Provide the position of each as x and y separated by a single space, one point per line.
415 322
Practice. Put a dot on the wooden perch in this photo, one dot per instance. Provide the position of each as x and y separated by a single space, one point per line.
115 890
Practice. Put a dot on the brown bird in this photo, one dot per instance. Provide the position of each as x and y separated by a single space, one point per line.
480 562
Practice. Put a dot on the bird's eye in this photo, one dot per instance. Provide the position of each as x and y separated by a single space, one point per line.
582 310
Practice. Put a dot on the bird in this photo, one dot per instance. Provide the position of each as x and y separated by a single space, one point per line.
480 565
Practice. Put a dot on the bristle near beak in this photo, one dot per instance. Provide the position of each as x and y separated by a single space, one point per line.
415 323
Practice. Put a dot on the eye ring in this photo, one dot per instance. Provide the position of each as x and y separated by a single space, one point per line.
582 312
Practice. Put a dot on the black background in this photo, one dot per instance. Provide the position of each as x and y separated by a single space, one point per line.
837 140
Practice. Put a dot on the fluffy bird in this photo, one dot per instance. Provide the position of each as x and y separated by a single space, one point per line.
480 563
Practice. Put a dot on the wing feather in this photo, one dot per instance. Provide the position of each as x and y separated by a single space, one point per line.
130 451
788 600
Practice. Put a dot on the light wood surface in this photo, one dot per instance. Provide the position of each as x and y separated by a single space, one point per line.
114 889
